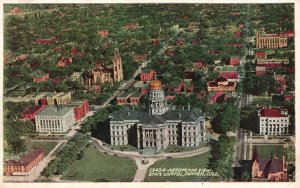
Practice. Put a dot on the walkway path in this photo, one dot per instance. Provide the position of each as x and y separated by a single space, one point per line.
142 168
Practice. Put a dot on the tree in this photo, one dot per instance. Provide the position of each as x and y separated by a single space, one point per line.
227 119
222 157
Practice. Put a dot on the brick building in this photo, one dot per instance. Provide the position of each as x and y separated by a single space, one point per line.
260 55
272 63
81 108
147 75
264 40
130 98
272 169
228 72
30 113
221 84
273 121
24 165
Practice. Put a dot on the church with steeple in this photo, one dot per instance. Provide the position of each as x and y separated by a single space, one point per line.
159 124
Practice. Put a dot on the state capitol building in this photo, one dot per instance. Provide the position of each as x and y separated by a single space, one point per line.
158 125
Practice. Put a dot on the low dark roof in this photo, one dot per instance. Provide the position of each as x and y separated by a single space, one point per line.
144 117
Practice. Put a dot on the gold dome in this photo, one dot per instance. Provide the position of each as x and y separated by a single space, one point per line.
155 85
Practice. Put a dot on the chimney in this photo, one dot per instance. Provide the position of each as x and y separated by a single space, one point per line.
128 113
183 107
174 107
179 115
189 106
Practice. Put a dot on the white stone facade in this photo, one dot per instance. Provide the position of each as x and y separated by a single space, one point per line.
272 124
55 122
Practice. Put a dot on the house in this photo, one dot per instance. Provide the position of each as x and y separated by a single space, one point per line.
228 72
238 34
218 97
171 51
103 33
147 75
234 61
221 84
30 112
180 42
198 64
175 87
15 11
24 165
261 55
63 62
21 57
272 169
260 70
40 76
273 121
46 41
281 81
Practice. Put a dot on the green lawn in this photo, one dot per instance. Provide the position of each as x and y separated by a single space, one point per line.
199 161
96 166
47 146
265 151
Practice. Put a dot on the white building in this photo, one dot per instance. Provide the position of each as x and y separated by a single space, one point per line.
273 121
55 119
159 125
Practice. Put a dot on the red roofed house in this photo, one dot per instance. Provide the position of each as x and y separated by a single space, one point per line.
273 121
15 11
147 75
24 165
32 111
63 62
238 33
221 84
228 72
175 87
103 33
261 55
260 70
274 169
234 61
281 82
46 41
198 64
40 76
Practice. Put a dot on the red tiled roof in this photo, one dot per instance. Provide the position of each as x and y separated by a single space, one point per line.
272 112
221 79
27 159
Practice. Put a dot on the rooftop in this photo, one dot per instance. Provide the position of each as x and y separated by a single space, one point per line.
54 111
144 117
272 112
27 159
